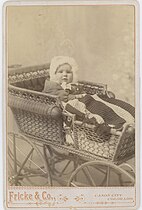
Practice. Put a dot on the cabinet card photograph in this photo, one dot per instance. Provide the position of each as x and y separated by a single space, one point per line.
72 105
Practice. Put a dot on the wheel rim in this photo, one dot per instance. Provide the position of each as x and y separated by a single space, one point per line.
100 173
26 162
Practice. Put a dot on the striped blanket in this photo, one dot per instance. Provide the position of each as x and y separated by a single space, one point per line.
94 109
101 110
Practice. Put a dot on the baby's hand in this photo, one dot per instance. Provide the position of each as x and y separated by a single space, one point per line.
98 118
71 97
103 129
63 96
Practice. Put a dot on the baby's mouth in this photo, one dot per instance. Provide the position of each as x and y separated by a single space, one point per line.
64 79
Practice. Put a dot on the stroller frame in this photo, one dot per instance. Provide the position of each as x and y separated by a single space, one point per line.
45 134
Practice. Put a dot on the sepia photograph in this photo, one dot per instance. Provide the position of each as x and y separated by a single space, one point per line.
71 96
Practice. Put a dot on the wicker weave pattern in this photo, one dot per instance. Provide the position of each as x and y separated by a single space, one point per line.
89 141
32 112
32 106
116 148
30 95
126 147
39 126
27 73
89 88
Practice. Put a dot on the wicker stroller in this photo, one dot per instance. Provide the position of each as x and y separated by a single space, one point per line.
37 150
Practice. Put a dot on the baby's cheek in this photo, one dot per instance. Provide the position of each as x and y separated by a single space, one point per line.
70 78
58 78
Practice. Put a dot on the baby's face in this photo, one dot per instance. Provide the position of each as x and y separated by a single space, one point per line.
64 74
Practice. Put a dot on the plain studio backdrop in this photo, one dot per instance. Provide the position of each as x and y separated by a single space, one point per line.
100 38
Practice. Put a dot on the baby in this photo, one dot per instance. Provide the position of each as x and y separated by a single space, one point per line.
104 112
63 72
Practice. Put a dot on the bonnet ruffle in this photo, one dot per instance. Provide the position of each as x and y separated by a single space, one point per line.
60 60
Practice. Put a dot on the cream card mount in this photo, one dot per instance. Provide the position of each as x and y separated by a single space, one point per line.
71 104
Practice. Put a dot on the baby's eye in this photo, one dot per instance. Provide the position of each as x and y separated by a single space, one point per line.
60 71
69 71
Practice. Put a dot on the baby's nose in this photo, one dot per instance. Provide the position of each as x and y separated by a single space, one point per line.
64 73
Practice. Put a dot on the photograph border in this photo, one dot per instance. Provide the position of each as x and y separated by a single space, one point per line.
137 73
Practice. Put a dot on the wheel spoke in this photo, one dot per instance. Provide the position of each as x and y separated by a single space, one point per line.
30 163
33 175
90 177
65 168
100 170
104 180
28 160
73 184
25 161
78 184
108 176
106 168
86 175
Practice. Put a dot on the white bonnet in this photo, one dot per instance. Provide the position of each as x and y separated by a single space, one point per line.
60 60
